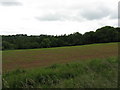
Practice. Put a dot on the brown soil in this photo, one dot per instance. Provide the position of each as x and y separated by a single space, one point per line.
44 57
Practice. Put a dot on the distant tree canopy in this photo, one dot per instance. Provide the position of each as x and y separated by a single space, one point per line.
22 41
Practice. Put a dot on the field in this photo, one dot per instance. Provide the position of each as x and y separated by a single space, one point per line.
14 59
96 73
88 66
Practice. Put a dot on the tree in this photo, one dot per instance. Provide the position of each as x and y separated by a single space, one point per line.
105 34
45 43
7 45
22 41
75 39
89 37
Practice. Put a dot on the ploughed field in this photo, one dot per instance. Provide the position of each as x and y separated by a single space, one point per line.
30 58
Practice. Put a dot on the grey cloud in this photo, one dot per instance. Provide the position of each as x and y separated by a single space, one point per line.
98 13
114 15
49 18
59 17
10 3
79 14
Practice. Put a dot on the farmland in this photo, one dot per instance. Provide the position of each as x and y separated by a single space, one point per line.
14 59
87 66
94 73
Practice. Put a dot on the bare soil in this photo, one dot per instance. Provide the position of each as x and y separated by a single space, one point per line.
14 59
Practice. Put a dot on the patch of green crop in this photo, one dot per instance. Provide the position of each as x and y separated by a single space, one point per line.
65 47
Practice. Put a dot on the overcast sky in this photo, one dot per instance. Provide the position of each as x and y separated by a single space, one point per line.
56 17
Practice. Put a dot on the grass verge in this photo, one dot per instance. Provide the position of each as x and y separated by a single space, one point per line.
95 73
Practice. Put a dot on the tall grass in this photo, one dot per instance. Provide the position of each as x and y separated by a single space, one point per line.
97 73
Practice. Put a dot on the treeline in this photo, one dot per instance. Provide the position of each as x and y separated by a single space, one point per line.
22 41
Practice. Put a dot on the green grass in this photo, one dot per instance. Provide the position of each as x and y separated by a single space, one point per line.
31 58
95 73
97 44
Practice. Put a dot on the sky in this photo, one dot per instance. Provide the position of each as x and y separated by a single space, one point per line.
56 17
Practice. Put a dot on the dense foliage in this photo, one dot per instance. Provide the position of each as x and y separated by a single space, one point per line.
22 41
97 73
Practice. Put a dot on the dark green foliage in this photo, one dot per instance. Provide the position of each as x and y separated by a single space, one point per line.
97 73
107 34
21 41
89 37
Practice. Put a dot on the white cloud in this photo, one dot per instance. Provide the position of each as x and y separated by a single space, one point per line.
56 16
10 3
